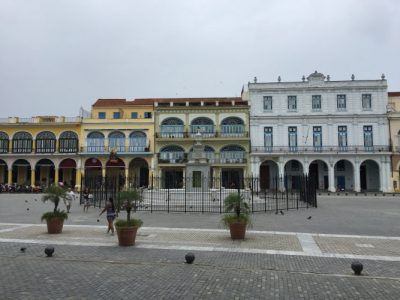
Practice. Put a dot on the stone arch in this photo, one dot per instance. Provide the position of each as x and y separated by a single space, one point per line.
21 172
344 175
232 126
293 169
138 172
318 172
172 121
232 154
172 153
116 141
44 172
370 175
67 172
203 125
3 172
269 174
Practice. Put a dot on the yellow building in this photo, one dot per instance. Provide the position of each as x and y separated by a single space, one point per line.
223 126
118 141
394 125
115 140
39 151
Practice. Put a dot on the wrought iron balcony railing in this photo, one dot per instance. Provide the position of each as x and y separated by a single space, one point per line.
119 149
321 149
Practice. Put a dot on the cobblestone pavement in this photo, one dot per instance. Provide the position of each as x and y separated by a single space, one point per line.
274 262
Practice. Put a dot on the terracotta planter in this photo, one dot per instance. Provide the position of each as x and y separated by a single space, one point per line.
126 235
238 230
55 225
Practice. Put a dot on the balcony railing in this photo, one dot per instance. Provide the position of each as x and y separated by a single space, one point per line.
228 157
119 149
226 131
319 149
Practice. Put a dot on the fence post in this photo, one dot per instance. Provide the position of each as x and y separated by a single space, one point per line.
202 194
185 179
151 194
168 195
252 198
276 198
220 196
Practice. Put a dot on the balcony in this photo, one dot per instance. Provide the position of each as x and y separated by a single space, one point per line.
321 149
172 158
207 131
119 149
227 157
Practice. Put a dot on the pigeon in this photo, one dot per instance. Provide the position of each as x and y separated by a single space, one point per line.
98 220
23 249
27 209
35 199
26 201
309 218
281 212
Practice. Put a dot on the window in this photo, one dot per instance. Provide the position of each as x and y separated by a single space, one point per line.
368 140
366 102
268 103
147 115
341 102
102 115
268 139
134 115
45 142
316 102
317 138
116 115
342 138
292 103
292 139
68 142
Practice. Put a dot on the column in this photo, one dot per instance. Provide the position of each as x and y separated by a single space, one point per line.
331 172
78 177
357 176
126 177
281 177
103 172
33 177
56 179
9 178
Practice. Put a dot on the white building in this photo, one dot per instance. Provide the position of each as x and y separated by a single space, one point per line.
335 131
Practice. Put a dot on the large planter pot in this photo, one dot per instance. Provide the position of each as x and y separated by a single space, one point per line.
55 225
126 235
238 230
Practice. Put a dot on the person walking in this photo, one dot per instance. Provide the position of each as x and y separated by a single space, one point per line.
86 200
110 209
69 198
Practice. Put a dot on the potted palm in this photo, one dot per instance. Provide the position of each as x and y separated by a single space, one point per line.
55 219
237 218
127 229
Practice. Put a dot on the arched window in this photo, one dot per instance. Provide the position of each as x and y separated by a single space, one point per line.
232 154
137 142
4 140
45 142
172 154
116 141
232 126
203 125
68 142
22 142
95 142
172 127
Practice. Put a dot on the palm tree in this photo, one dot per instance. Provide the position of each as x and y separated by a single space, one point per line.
129 200
54 194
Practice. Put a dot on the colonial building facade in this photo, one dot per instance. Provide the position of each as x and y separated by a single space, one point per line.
337 132
223 125
394 125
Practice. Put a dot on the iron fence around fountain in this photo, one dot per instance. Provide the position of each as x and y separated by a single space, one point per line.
206 195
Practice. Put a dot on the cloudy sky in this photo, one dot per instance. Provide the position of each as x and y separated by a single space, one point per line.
56 56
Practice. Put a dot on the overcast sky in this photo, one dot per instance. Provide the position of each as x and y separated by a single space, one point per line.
56 56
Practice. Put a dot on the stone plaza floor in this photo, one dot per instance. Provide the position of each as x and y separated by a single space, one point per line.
283 256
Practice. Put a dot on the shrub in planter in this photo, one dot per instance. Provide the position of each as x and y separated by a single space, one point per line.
55 219
126 229
237 218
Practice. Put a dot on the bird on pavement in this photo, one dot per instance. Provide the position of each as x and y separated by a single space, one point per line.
281 212
309 218
23 249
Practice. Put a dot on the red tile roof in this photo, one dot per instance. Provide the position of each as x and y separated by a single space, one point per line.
394 94
151 101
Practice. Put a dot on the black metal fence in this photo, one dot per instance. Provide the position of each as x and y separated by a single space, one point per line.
206 194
